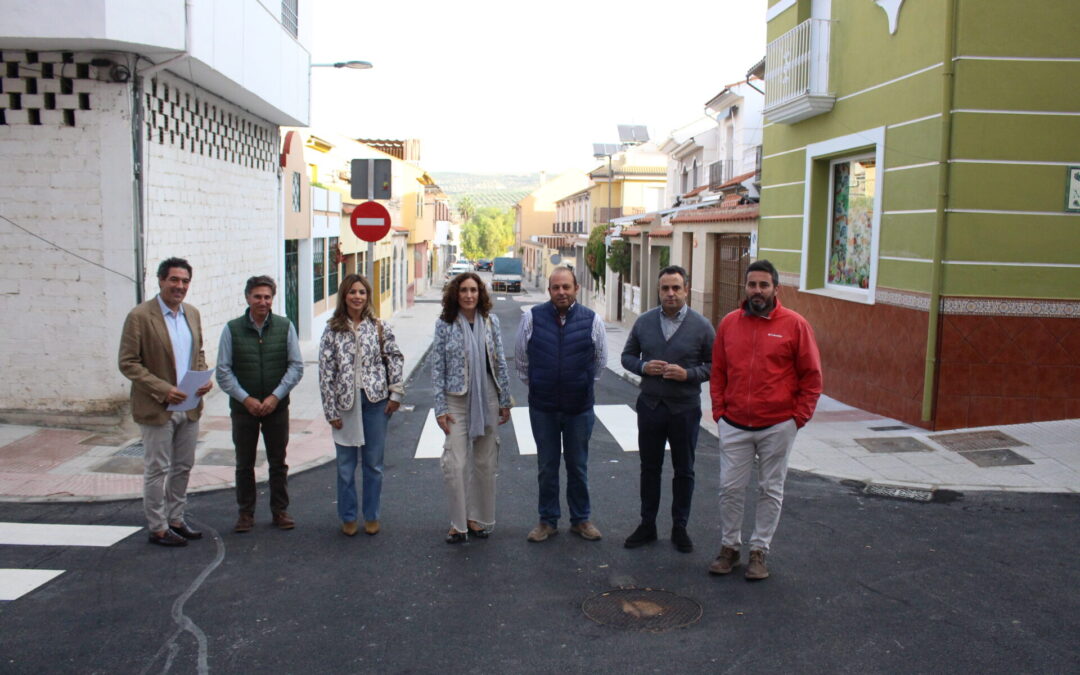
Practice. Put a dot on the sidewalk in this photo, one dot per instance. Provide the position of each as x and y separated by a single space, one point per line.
45 464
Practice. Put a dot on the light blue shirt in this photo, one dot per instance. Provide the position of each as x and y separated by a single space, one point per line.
180 336
670 324
227 379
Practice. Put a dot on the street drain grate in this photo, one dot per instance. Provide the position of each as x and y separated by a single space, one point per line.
642 609
136 449
965 441
883 444
898 427
898 492
996 457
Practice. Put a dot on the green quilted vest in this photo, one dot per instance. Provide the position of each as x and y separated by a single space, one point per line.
259 363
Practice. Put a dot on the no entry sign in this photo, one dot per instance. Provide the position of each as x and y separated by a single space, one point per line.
370 221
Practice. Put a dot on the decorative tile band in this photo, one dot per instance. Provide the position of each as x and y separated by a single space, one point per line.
1061 309
960 306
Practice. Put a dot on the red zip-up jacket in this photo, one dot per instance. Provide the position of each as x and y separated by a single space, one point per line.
765 370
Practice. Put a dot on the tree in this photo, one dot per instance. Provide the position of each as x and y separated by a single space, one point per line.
595 255
488 234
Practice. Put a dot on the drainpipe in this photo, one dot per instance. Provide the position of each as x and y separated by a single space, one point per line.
948 84
139 178
137 188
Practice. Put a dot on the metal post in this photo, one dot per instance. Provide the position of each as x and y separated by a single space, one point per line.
369 264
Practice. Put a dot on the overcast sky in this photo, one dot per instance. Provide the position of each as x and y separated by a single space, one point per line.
511 86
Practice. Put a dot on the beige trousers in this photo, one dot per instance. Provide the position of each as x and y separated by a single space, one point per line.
469 467
169 456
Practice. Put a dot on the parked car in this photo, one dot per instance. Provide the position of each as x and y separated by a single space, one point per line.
483 265
456 269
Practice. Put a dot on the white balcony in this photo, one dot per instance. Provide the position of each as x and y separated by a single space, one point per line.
797 73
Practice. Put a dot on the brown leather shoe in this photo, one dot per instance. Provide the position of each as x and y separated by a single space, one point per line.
756 569
586 530
244 523
542 532
726 561
371 527
284 521
350 528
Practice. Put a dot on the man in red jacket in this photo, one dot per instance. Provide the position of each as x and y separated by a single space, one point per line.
765 383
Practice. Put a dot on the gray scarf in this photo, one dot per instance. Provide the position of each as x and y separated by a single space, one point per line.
476 355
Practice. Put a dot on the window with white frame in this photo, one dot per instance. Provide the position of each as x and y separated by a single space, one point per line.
852 183
842 216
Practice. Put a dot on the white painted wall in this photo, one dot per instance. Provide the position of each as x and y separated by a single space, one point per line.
60 316
239 50
220 215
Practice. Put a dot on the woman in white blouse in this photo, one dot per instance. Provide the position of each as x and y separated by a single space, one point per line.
361 384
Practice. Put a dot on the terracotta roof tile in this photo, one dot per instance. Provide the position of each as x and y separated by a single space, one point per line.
735 181
717 214
665 231
696 191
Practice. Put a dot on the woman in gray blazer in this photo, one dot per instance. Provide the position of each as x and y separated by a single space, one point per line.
472 397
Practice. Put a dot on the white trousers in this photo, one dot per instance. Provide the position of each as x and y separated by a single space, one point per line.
469 467
738 448
169 456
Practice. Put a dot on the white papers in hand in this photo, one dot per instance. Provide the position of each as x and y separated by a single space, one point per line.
189 385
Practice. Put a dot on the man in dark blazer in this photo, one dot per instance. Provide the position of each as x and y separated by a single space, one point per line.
161 341
670 347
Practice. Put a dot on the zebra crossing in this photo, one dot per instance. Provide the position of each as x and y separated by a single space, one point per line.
620 421
15 582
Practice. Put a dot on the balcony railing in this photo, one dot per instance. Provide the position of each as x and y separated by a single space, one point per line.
797 73
605 214
720 172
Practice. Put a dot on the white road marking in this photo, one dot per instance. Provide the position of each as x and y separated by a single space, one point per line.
523 430
621 423
432 438
15 583
35 534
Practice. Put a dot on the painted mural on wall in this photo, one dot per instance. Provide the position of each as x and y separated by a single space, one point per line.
852 223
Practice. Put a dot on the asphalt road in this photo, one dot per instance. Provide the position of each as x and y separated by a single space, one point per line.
985 583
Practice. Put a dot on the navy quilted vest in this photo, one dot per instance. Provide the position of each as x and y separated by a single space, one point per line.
562 360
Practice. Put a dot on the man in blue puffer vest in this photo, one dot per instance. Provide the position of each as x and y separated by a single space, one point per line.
561 352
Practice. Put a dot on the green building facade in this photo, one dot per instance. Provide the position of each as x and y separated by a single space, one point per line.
918 162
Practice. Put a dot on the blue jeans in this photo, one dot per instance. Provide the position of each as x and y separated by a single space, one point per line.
371 454
559 434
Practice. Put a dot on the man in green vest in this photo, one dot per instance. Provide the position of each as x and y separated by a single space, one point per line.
259 363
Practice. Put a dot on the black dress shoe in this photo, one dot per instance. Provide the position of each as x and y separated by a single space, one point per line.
681 539
170 538
457 538
645 533
186 532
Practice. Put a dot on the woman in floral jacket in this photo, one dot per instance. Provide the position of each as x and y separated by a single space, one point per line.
360 380
472 397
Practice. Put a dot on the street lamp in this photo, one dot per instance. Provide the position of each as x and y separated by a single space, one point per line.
355 65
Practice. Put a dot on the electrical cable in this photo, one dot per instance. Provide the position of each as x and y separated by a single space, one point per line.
57 246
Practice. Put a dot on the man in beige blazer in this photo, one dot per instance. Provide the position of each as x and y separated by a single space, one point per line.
161 341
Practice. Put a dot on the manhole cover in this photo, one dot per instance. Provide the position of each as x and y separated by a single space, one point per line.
977 440
644 609
893 444
898 492
997 457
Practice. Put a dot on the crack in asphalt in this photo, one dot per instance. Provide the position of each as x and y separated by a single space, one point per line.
184 622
